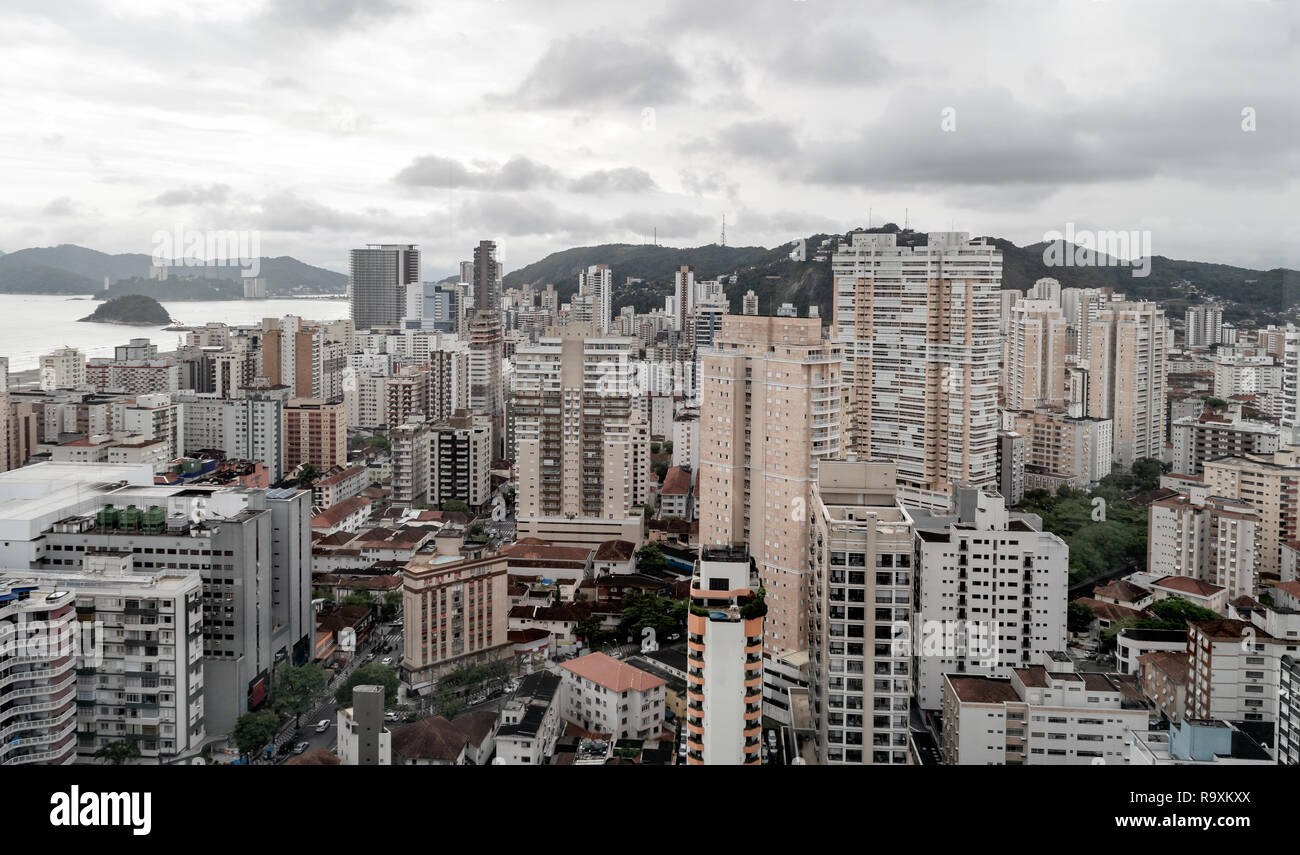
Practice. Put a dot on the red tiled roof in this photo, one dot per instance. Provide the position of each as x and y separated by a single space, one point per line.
1188 585
615 675
677 482
335 514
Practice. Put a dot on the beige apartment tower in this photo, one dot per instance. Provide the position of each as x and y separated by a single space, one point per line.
1034 374
582 451
1126 378
919 330
769 410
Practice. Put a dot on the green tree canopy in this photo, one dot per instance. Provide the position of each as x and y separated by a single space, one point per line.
255 730
374 674
296 689
118 753
1079 616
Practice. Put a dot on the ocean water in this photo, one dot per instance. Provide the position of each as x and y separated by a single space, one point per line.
33 324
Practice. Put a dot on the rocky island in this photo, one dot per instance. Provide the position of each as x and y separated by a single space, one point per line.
131 309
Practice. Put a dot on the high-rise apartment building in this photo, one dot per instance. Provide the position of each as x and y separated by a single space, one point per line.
1215 434
1270 485
581 450
315 432
769 411
749 303
1203 325
724 661
993 581
250 547
860 555
1034 375
1208 538
919 328
456 613
65 368
597 281
377 282
487 280
38 693
1062 451
486 384
1126 380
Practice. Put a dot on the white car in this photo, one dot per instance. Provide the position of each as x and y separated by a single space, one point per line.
387 660
322 725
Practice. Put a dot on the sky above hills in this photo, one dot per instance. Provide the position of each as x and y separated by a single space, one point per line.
328 125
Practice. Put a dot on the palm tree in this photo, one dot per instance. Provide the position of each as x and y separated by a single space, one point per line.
117 753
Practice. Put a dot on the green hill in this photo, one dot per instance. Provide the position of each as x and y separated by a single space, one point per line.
1264 296
72 269
132 309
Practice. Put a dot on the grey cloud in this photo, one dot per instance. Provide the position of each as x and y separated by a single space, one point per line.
331 14
194 195
906 146
760 139
668 224
518 174
836 57
627 179
596 70
517 216
64 206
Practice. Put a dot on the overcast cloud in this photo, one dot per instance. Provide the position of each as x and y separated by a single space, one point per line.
547 125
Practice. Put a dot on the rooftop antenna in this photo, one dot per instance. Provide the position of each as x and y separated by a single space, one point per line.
906 221
722 239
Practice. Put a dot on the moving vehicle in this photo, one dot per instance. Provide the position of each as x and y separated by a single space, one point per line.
322 725
301 747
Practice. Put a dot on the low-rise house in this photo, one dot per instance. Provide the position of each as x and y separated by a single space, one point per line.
1195 591
605 695
530 722
467 740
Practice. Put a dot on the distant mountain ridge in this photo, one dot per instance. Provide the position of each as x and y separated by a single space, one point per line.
1267 295
72 269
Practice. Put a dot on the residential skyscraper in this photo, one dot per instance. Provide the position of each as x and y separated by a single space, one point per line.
993 582
769 411
1126 381
581 449
724 662
377 283
1034 375
598 282
860 557
487 278
919 328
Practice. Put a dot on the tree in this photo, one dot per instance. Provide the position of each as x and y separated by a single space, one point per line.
668 447
1147 472
448 702
1079 617
297 688
320 593
392 602
655 448
455 505
664 615
255 730
307 475
660 468
650 559
591 630
358 598
118 753
1174 613
374 674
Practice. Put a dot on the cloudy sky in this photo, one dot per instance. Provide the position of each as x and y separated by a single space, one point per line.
331 124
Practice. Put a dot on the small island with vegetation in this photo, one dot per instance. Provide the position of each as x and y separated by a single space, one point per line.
131 309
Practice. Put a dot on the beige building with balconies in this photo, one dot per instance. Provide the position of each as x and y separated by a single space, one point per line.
769 411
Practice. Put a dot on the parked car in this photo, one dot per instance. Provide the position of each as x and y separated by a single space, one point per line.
301 747
322 725
387 660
